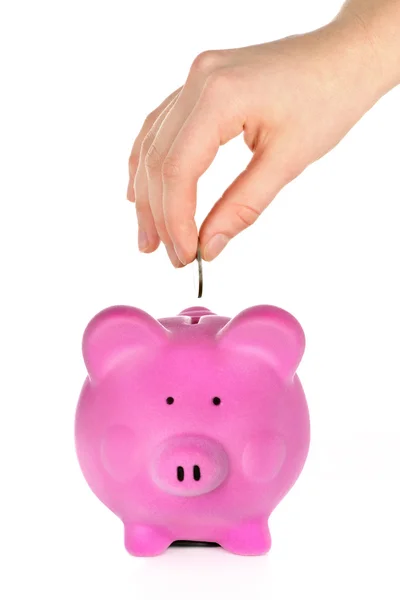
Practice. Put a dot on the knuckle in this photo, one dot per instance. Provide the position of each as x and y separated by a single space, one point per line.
148 140
133 158
149 120
170 169
133 163
135 154
142 207
141 192
219 83
153 159
206 62
247 215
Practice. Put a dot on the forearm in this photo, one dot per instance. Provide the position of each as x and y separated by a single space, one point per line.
379 20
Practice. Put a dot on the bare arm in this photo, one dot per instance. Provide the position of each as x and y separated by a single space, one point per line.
293 99
380 19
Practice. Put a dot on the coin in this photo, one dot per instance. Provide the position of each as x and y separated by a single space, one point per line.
198 273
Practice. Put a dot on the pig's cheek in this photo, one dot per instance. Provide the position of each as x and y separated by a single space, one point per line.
117 452
263 457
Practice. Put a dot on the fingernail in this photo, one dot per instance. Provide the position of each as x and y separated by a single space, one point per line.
143 240
215 246
173 257
180 254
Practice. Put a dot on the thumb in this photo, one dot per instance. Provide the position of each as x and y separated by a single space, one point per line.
246 198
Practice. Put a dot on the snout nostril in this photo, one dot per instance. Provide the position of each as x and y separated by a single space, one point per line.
196 473
180 473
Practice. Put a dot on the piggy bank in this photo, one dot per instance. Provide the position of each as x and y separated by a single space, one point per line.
192 428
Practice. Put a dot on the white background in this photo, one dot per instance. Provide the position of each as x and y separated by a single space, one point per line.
77 80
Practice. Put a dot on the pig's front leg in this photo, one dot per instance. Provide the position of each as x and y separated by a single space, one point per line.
146 540
248 538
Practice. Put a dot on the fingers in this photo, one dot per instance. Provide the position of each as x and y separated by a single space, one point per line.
158 144
191 153
135 153
176 146
270 169
156 147
148 233
212 122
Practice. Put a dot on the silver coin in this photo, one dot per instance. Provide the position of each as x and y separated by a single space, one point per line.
198 273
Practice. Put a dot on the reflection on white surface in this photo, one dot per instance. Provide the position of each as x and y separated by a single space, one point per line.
195 568
326 544
201 573
334 537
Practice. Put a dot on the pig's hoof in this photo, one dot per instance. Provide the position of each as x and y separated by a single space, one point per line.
249 539
144 540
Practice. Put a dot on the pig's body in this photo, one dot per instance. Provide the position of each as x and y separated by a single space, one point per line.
190 428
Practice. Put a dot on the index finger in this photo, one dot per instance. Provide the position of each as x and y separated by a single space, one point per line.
190 155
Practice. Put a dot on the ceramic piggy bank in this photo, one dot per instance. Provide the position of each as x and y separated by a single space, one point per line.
192 428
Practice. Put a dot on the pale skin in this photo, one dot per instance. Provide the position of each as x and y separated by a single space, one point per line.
293 99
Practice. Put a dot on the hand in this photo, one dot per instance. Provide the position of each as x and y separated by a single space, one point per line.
294 100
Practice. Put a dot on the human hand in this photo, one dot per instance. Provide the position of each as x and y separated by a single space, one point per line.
294 100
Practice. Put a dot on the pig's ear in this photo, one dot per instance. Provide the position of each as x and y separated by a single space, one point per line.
270 332
116 331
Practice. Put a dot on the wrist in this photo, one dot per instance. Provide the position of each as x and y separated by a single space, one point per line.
374 28
348 65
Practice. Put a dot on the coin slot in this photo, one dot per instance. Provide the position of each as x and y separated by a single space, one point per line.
195 320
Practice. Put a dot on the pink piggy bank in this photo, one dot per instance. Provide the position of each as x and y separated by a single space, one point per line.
192 428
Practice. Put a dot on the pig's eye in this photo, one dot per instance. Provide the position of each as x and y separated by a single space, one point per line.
170 400
216 401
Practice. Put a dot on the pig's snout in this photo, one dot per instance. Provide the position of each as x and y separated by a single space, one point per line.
189 465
